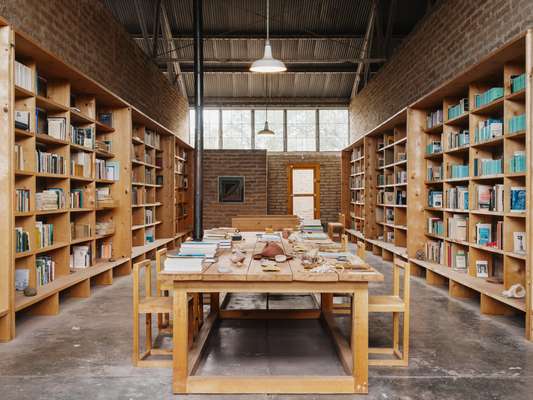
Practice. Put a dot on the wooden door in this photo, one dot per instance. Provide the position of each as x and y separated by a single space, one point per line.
304 190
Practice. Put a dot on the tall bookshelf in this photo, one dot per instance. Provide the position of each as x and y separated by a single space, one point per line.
456 243
377 184
70 161
473 233
183 195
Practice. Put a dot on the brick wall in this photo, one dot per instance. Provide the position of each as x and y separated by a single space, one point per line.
252 164
455 35
85 35
330 181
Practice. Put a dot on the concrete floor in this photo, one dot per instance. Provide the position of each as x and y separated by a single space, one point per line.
84 352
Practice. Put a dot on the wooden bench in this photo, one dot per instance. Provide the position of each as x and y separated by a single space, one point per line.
251 223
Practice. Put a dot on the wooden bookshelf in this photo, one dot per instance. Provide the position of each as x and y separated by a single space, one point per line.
97 174
372 207
441 143
459 175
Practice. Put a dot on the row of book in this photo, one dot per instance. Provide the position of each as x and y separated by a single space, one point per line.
488 97
434 118
518 83
517 163
434 172
22 200
488 166
490 198
458 109
488 130
104 250
23 76
489 235
457 198
50 199
435 226
81 256
19 157
434 146
82 136
138 195
458 171
385 179
108 170
45 269
44 234
458 139
22 240
357 153
81 164
77 198
152 138
458 227
50 163
401 176
517 123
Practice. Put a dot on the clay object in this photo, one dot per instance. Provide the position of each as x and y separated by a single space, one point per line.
272 250
30 291
237 257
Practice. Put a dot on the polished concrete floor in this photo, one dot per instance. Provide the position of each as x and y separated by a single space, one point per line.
84 352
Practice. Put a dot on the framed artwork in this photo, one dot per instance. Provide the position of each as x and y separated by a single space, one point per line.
231 189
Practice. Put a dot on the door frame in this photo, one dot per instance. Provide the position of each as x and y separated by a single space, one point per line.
316 185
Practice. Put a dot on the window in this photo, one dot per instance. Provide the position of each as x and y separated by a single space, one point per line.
333 129
236 129
275 123
301 130
211 128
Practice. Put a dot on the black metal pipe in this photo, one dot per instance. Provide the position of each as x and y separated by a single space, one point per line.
198 231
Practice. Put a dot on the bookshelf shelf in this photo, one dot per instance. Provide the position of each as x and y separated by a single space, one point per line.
49 104
21 93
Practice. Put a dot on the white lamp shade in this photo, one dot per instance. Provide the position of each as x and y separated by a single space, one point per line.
268 64
266 130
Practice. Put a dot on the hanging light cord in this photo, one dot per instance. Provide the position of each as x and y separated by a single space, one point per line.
268 18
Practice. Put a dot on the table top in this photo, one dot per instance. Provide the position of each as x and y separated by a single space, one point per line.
252 271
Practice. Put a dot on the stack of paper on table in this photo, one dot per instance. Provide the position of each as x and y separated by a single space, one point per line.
191 256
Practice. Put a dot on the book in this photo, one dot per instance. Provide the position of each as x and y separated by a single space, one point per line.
490 198
22 120
19 157
482 269
22 240
458 227
50 199
460 262
435 198
22 278
183 264
22 200
45 269
80 257
57 127
44 234
483 234
518 199
23 76
457 198
517 163
519 242
488 96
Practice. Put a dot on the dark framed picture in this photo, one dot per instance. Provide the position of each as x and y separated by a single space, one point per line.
231 189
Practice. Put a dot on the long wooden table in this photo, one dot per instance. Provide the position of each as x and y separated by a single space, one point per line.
250 278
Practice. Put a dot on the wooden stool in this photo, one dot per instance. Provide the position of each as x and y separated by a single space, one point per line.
336 229
396 305
148 305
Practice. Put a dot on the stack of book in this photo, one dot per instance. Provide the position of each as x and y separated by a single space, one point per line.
80 257
311 225
488 97
517 124
191 256
22 240
44 234
457 198
490 198
45 269
50 199
488 129
57 127
487 166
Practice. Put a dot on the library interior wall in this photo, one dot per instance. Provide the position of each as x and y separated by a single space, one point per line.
85 35
252 164
330 181
454 36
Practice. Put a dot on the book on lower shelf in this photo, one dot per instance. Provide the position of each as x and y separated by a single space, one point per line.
458 139
104 251
57 127
82 136
435 251
22 240
50 163
435 226
487 166
488 130
77 198
487 236
456 171
80 257
458 227
50 199
44 234
457 258
45 269
22 200
435 198
482 268
457 198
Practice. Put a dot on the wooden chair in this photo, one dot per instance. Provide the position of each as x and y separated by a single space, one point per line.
147 305
196 314
361 251
336 229
396 305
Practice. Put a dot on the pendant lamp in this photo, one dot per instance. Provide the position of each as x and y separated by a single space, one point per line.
268 64
266 131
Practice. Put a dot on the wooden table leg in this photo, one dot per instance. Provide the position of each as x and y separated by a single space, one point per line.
326 302
180 341
360 338
215 303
